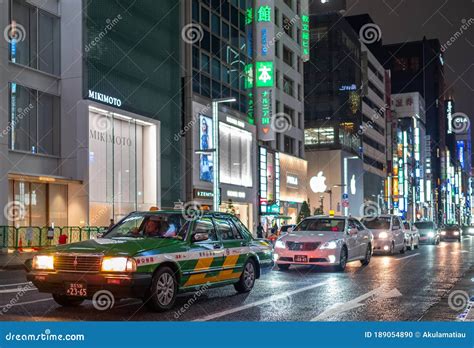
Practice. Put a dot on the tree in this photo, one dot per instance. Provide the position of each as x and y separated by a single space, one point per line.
304 212
318 211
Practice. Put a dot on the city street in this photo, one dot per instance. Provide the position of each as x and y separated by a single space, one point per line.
391 288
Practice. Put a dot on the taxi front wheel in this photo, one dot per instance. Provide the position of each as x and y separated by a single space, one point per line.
247 278
163 290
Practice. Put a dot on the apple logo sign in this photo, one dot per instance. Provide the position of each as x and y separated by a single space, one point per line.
353 184
317 183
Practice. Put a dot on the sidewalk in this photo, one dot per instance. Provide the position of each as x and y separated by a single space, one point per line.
456 304
14 261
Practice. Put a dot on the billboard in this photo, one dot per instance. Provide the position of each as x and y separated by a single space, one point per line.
205 143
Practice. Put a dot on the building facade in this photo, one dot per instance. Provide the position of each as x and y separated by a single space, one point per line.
91 117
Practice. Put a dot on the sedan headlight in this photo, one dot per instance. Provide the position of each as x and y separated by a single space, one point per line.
329 245
383 235
431 234
443 233
280 244
43 262
456 233
118 264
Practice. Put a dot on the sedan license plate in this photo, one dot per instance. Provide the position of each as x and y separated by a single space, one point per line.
301 258
76 289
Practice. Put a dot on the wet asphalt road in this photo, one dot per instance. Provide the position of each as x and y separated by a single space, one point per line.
391 288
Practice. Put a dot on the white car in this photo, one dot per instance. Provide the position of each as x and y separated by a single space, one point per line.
388 231
325 241
412 235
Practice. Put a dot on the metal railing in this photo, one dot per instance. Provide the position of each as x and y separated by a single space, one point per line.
37 237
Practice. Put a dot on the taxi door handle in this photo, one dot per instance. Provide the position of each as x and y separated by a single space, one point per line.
217 246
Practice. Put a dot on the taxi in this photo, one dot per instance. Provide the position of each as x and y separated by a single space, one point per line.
154 256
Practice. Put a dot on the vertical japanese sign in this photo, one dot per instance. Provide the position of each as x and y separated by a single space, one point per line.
263 70
304 31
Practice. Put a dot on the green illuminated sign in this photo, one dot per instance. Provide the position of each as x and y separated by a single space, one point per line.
264 14
250 109
248 72
266 109
248 16
264 73
305 38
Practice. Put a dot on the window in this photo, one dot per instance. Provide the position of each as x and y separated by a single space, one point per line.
277 48
277 17
40 47
205 225
227 230
277 79
299 92
319 34
287 26
289 3
288 87
319 136
291 113
34 120
288 56
289 145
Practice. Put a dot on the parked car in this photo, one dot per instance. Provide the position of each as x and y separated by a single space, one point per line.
451 232
153 256
388 231
428 232
283 229
325 241
412 236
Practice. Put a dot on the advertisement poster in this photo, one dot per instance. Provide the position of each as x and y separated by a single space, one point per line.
205 143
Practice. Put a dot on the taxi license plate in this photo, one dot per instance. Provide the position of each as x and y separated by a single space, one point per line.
301 258
76 289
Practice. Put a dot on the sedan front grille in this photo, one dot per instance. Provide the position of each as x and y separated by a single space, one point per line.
77 263
303 246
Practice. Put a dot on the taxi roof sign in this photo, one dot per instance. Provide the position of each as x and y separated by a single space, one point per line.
331 213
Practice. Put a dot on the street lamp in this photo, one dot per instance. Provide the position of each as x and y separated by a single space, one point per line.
215 135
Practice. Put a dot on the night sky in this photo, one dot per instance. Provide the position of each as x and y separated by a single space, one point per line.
410 20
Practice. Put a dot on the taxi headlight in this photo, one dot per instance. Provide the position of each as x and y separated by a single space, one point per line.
43 262
443 233
280 244
431 234
383 235
332 244
118 264
456 233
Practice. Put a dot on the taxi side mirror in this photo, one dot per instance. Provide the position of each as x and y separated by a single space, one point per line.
199 237
290 230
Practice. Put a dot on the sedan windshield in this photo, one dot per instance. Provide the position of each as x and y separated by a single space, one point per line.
147 225
321 225
380 223
425 225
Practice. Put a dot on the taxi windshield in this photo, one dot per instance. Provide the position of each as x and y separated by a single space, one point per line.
379 223
147 226
321 225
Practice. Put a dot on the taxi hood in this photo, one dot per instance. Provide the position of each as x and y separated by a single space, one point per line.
117 246
312 236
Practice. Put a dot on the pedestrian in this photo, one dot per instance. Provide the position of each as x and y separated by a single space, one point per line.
29 236
50 235
112 223
62 238
259 230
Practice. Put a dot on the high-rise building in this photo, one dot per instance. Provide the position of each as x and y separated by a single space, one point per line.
93 95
